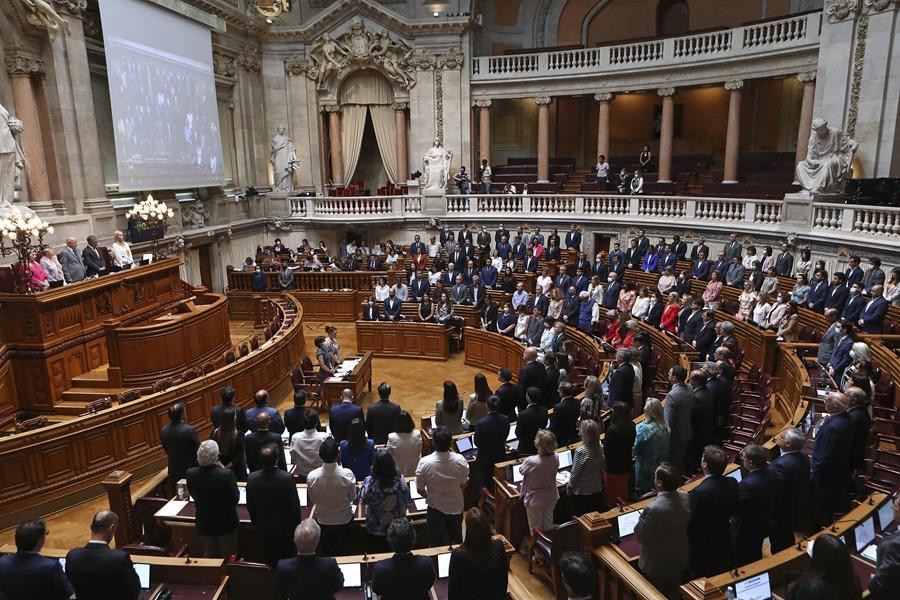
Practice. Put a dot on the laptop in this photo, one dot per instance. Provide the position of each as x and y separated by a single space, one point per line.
864 534
143 573
443 561
627 522
885 514
466 446
352 574
736 475
753 588
565 459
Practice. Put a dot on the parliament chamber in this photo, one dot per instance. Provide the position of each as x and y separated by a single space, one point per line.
510 299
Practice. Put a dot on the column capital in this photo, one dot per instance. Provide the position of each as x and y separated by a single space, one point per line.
543 100
400 105
806 76
603 96
23 65
332 108
666 92
73 7
483 103
734 85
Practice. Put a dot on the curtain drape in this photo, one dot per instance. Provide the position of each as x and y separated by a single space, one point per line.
386 133
353 122
366 87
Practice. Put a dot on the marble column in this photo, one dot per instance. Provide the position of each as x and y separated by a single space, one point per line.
604 98
20 70
484 130
402 152
733 135
808 79
334 139
667 132
543 146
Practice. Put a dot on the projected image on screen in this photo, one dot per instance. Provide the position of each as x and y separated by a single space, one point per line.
163 98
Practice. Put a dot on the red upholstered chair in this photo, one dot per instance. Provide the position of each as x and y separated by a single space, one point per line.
546 548
250 580
228 357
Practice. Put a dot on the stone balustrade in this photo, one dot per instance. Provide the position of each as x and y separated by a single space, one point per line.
871 220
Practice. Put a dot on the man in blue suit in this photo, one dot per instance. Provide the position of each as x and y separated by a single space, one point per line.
392 307
489 276
341 414
668 259
490 438
791 471
840 358
871 319
27 574
404 576
621 379
855 305
701 268
818 294
751 524
307 575
562 280
417 247
573 237
830 463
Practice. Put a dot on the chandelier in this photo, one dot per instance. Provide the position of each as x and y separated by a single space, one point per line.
21 233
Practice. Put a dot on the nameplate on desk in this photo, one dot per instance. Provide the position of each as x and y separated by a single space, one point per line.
171 508
352 574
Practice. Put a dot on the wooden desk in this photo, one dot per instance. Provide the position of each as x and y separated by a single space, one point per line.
169 345
314 281
358 381
757 344
56 335
337 305
407 339
493 351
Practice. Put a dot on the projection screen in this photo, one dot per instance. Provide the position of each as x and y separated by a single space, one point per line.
163 96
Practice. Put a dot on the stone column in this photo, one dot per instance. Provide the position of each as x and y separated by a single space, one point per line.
733 135
604 98
808 79
20 70
543 146
334 139
667 132
484 130
402 152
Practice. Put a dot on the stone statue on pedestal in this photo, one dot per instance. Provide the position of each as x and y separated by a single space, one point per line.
11 157
436 168
828 159
283 156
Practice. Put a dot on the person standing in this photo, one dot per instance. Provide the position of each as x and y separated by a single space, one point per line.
484 176
712 505
71 261
215 493
382 415
479 567
274 507
677 410
585 487
386 496
490 439
95 264
602 173
180 442
342 414
662 532
307 576
651 446
617 445
539 490
332 490
403 576
830 463
441 478
757 491
791 472
886 581
98 571
26 574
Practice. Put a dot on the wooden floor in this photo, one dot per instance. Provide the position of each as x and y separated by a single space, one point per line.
417 385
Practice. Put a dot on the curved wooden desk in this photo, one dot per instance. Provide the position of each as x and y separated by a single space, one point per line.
170 344
406 339
42 466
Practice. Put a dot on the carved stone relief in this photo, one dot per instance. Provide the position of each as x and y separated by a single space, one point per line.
249 59
223 64
194 215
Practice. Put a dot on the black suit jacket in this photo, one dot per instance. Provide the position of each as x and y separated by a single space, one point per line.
490 437
30 575
97 571
254 442
531 419
564 421
94 264
621 384
273 503
862 422
219 409
533 374
309 577
692 327
887 569
403 577
339 417
511 396
654 317
713 503
703 423
180 442
553 253
295 420
380 420
791 472
215 493
837 297
754 515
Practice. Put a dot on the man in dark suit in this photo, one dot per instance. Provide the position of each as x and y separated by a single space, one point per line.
530 264
677 409
621 379
750 526
553 252
519 248
564 421
374 263
887 565
392 307
258 439
854 306
531 419
840 358
862 423
382 414
490 438
584 264
699 248
477 293
420 286
611 293
469 272
180 442
837 293
733 248
701 268
446 234
693 322
417 247
96 570
306 575
510 394
791 471
458 258
854 273
532 373
227 395
667 260
562 280
573 237
27 574
713 503
274 506
504 248
502 232
706 335
720 390
643 242
703 420
871 318
215 494
94 263
721 265
655 311
633 255
465 235
571 308
873 275
341 414
541 303
580 281
830 464
784 262
616 253
295 418
404 576
818 294
679 248
261 405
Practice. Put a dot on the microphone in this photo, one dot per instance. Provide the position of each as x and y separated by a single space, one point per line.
623 506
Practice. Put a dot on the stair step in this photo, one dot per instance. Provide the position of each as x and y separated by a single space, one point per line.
69 408
91 379
84 395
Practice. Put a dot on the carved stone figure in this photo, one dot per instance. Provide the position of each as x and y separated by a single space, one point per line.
436 168
11 157
392 55
827 161
44 14
358 41
329 55
283 156
194 215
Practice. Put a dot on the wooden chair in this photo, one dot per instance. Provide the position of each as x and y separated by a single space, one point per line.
208 368
162 385
145 550
228 357
456 334
546 548
97 405
129 396
153 532
31 424
251 580
244 350
190 374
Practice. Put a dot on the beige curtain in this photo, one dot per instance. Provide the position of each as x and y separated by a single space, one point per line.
386 133
366 87
353 122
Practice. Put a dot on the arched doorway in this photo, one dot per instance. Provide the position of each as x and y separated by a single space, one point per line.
672 18
368 129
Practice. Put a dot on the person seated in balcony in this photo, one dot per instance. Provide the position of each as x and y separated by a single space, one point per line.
645 159
249 265
636 186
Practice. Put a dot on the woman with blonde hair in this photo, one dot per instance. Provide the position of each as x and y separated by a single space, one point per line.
539 482
669 319
585 487
557 300
121 252
651 446
747 301
593 398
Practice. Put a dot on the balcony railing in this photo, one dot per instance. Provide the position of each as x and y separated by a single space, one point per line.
796 32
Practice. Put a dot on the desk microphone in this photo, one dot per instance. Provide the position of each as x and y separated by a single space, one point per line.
623 506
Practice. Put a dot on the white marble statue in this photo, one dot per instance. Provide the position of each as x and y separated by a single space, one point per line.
436 168
44 14
283 156
329 56
828 159
11 157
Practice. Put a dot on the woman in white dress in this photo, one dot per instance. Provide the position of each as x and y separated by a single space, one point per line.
762 309
121 252
544 280
382 290
746 301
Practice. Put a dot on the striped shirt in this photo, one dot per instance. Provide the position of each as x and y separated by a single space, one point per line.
587 472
